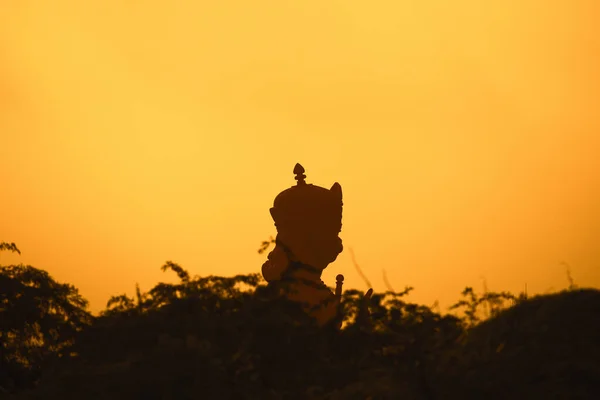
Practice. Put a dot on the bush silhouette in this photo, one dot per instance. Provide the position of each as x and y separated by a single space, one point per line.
235 337
39 320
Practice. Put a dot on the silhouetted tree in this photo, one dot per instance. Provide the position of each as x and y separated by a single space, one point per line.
39 318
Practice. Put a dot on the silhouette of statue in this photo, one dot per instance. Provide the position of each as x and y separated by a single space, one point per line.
308 220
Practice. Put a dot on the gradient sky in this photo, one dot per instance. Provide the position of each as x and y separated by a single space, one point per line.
465 135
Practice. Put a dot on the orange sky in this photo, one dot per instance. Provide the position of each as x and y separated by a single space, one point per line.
464 133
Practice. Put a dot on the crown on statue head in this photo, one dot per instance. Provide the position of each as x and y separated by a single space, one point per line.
307 205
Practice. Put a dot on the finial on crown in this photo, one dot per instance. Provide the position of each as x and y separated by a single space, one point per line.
299 172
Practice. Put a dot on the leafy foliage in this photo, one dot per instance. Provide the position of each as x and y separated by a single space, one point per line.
9 247
236 337
471 304
39 318
264 246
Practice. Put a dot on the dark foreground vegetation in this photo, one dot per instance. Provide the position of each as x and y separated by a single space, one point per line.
231 338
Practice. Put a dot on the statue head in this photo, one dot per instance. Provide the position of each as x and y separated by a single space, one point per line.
308 219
